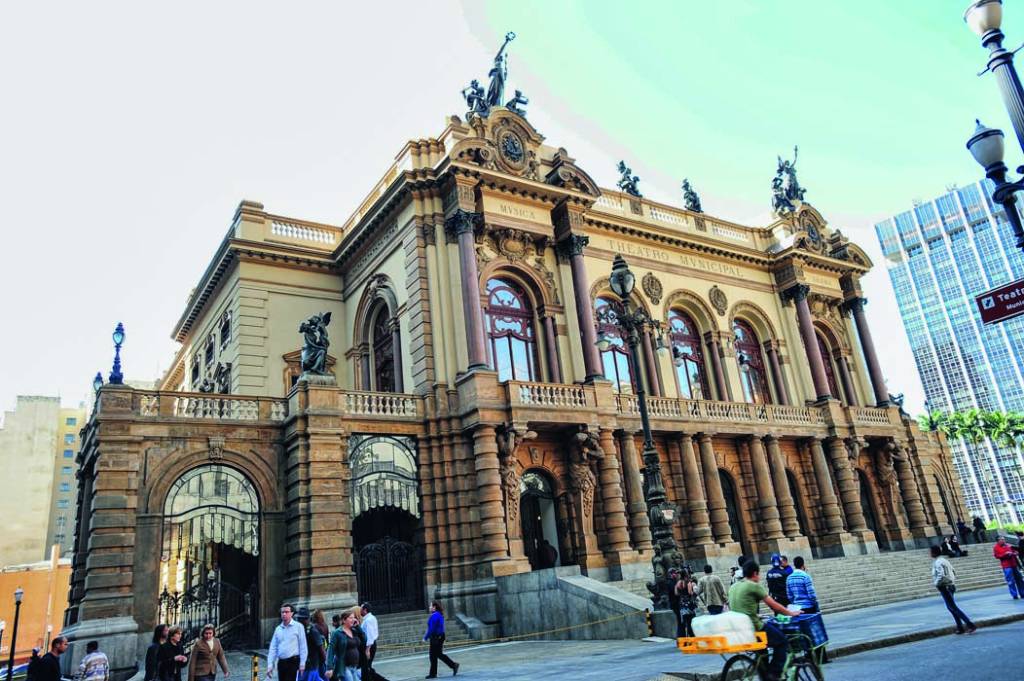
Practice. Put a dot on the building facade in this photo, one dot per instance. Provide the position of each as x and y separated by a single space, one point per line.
940 255
63 488
469 421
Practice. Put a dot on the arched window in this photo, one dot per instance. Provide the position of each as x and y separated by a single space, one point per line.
751 362
382 342
510 331
687 356
830 371
616 358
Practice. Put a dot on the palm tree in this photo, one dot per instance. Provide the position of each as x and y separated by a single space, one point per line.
935 420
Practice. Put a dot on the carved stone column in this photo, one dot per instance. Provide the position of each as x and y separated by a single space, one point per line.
571 247
699 530
771 349
713 484
615 522
461 224
651 362
550 339
583 483
493 531
849 487
787 506
826 496
508 440
771 527
798 294
909 490
714 347
396 352
856 305
639 523
847 381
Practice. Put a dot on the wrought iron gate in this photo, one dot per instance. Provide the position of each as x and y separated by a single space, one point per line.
232 611
390 576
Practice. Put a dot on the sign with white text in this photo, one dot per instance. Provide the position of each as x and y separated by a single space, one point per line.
1000 304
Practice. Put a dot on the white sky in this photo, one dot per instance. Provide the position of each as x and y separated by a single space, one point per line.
129 132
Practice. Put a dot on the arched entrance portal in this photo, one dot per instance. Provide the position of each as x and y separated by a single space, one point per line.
385 522
733 510
209 563
538 519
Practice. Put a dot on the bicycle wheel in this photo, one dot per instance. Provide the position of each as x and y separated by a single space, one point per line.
805 670
739 668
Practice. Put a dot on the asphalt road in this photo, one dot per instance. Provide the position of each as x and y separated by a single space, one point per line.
992 654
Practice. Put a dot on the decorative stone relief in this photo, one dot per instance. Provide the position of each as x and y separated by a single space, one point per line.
216 444
718 300
652 287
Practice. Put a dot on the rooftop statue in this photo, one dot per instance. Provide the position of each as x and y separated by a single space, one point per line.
690 199
480 102
516 102
628 182
475 100
786 189
498 74
314 347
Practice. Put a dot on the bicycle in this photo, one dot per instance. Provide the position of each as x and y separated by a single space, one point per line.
801 662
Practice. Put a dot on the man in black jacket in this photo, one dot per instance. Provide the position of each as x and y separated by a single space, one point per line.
48 668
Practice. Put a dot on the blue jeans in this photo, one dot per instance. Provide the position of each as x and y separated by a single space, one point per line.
777 642
351 674
1013 581
958 615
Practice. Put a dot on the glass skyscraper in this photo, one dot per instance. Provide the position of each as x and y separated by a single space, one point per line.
940 255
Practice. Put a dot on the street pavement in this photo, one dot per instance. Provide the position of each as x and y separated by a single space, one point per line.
849 632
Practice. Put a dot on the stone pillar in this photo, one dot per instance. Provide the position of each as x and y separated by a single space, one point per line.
856 305
772 351
910 492
849 486
493 542
826 496
847 381
787 506
771 527
396 352
364 367
462 224
798 294
713 484
571 247
550 339
639 523
651 362
616 525
699 531
715 355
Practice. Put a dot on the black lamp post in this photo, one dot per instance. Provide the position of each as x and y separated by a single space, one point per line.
3 625
985 17
987 147
116 377
18 593
631 324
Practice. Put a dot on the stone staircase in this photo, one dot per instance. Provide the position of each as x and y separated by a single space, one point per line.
401 633
862 581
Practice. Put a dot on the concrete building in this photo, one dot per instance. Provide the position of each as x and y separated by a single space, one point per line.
45 584
469 419
28 441
63 490
940 255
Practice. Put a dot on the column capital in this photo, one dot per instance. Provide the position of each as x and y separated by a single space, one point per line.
572 245
796 293
460 222
856 304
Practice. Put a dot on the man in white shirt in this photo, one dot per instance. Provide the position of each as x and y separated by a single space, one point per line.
287 647
372 631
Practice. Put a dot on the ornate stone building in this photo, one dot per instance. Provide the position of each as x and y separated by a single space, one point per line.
472 421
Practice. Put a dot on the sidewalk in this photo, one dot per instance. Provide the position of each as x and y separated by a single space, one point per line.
851 631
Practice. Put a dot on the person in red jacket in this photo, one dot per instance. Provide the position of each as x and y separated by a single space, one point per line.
1007 557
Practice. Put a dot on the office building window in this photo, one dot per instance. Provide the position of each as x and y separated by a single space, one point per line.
62 503
69 453
65 470
69 439
65 487
71 421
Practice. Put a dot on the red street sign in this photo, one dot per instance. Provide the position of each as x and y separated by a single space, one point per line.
1000 304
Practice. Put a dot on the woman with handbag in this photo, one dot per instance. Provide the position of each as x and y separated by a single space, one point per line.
686 591
944 580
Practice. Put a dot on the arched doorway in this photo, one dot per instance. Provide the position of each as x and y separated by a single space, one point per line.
732 508
387 558
209 565
538 519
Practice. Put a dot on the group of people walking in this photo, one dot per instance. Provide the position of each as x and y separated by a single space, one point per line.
165 656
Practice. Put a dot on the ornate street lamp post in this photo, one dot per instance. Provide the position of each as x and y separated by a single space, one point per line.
3 625
985 17
97 382
987 147
632 323
116 377
18 593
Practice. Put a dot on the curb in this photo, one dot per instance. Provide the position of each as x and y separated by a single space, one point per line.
863 646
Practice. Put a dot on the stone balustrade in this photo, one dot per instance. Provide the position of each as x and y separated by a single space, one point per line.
709 411
869 416
553 395
208 406
396 406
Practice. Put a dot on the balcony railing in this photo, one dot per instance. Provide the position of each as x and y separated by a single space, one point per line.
389 405
552 395
208 406
869 416
713 411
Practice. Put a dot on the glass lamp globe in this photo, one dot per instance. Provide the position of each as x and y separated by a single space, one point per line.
622 279
97 382
603 341
119 334
677 357
986 145
18 593
984 16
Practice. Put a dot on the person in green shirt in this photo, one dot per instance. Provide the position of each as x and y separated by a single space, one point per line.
745 596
